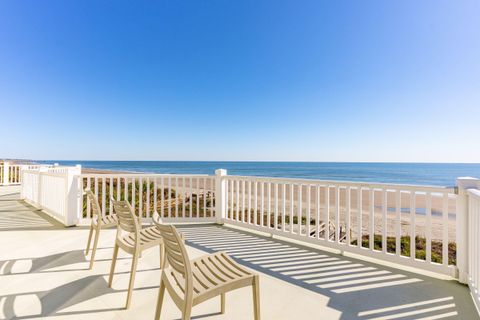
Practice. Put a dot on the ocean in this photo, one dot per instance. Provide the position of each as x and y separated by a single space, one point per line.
436 174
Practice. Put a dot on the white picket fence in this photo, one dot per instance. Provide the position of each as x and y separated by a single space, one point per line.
430 228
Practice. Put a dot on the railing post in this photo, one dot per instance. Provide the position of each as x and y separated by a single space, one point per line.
463 184
220 195
6 173
74 196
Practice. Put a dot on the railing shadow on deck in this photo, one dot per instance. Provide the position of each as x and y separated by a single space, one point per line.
17 215
359 289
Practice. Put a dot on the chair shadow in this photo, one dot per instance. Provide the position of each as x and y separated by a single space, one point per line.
62 297
357 288
66 295
43 264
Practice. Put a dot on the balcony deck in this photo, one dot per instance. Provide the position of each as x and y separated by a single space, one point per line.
43 274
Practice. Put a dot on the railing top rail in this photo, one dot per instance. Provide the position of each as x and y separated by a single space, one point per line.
141 175
45 173
474 192
374 185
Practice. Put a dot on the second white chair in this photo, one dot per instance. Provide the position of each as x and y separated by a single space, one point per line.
132 239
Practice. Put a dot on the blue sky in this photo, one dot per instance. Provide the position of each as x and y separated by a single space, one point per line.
240 80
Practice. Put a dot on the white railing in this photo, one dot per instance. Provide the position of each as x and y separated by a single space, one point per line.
10 174
474 244
376 220
182 198
431 228
55 190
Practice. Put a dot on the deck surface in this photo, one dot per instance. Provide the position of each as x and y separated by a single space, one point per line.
44 274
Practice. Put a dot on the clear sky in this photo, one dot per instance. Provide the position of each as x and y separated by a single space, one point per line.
240 80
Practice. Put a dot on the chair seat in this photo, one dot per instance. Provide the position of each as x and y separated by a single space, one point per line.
149 237
213 274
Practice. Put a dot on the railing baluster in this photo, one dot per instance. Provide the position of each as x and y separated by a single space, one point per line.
262 203
398 226
413 216
255 190
184 194
291 185
134 186
309 209
177 197
205 197
95 182
337 214
155 196
212 205
125 194
249 218
445 239
162 197
371 235
198 197
384 219
284 206
89 209
243 201
147 200
140 197
118 189
237 200
104 193
275 223
110 206
232 199
299 209
327 213
190 198
428 228
169 197
347 218
269 198
359 217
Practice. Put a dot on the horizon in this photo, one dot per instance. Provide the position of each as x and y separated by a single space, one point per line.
233 161
371 82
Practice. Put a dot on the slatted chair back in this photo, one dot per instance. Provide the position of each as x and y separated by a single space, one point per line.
96 211
127 221
176 252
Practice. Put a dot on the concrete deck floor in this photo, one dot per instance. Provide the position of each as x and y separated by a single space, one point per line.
43 274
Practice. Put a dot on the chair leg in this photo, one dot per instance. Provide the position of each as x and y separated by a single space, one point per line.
161 293
187 312
94 249
256 297
89 240
112 267
162 256
132 279
222 303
